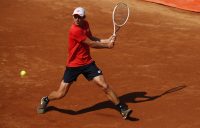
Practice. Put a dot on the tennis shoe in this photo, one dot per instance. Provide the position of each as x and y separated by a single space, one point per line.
43 105
125 113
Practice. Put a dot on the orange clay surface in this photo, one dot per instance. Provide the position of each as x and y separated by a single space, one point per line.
154 66
191 5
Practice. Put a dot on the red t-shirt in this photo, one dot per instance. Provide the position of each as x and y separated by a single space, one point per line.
78 52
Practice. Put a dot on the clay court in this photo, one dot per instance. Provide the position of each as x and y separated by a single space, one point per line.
154 66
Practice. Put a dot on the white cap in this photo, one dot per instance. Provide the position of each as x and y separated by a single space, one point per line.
80 11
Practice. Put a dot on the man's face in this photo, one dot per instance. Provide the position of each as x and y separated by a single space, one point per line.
77 19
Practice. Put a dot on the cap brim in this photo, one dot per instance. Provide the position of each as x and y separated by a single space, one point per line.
77 14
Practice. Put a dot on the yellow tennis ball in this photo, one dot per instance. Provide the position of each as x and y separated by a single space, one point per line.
22 73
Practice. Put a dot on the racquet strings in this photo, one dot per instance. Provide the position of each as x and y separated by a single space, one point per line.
121 14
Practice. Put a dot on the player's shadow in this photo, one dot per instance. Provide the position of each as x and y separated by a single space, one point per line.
132 97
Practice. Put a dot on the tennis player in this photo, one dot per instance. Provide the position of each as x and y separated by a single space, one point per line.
79 61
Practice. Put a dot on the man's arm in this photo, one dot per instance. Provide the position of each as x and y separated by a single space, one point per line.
95 42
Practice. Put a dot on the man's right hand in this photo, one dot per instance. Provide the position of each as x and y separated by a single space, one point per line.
111 41
112 38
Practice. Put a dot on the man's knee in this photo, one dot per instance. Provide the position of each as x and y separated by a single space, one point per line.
106 88
63 89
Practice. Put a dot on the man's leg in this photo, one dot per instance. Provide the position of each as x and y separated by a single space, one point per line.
55 95
100 81
61 92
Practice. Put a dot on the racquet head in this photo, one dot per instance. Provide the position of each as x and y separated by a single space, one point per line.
120 14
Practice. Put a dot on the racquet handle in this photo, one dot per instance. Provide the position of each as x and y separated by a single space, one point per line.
116 30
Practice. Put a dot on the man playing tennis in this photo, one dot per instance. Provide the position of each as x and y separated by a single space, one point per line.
79 62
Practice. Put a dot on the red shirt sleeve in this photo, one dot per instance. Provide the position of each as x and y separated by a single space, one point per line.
88 32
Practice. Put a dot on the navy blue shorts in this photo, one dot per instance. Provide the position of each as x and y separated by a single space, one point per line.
89 71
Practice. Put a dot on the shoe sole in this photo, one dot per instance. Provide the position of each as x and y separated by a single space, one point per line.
40 110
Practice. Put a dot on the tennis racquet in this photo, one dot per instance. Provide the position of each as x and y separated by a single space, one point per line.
120 16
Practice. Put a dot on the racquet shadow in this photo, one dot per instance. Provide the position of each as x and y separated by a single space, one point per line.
131 97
